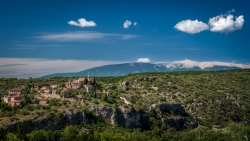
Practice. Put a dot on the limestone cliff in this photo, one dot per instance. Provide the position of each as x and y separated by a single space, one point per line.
121 116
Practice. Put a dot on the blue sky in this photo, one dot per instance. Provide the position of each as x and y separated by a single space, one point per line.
165 30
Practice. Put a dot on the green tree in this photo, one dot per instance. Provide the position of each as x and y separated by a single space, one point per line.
104 97
32 91
211 135
111 136
93 81
2 134
12 137
81 86
26 90
50 90
26 100
62 85
4 107
69 133
42 135
85 81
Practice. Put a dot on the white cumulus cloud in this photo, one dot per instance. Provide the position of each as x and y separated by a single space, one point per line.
135 23
191 27
127 23
226 23
82 23
143 60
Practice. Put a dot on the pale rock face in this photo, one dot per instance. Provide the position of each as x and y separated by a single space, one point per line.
102 111
125 83
125 117
121 116
125 100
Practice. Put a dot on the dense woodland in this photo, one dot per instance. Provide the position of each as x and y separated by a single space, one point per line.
104 131
217 101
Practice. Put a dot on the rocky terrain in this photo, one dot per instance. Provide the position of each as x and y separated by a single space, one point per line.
121 116
196 101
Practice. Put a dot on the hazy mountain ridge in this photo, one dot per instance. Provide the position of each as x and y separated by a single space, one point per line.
137 67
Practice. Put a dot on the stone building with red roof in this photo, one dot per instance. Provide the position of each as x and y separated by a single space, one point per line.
14 97
76 83
15 91
44 89
15 103
43 101
54 86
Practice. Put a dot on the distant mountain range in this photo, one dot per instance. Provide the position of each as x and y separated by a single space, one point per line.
137 67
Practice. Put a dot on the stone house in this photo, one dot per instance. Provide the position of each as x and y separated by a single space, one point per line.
15 98
15 91
67 85
54 86
44 89
6 99
12 100
13 103
36 87
89 88
75 83
43 101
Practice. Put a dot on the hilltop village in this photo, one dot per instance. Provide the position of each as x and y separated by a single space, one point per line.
177 105
72 90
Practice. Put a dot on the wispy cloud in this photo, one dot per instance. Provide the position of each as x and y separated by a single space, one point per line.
29 45
31 67
154 29
24 48
135 23
191 27
82 23
126 24
187 49
33 46
231 11
160 43
83 36
7 65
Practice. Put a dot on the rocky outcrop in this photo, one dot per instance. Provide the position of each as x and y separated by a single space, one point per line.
125 85
52 123
121 116
174 115
125 117
177 109
145 79
102 111
111 87
129 117
180 123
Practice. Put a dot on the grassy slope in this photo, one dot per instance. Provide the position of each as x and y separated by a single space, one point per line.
214 98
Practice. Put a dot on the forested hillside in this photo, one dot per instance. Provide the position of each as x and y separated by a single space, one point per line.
194 105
